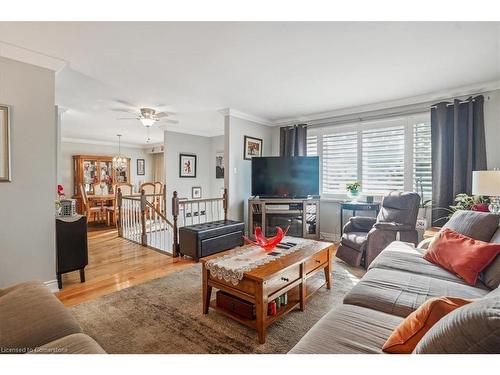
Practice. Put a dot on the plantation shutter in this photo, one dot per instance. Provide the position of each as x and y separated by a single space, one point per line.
340 161
383 159
312 146
422 167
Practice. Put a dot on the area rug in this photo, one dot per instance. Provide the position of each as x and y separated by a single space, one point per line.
164 316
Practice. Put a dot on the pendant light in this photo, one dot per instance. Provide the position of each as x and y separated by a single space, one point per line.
118 161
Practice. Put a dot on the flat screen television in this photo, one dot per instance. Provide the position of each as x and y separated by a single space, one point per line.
290 177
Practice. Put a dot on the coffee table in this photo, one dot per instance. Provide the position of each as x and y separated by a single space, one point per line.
289 274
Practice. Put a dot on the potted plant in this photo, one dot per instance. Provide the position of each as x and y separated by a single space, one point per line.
353 188
422 208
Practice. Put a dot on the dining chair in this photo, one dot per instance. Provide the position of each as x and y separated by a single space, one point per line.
126 189
87 209
98 191
149 189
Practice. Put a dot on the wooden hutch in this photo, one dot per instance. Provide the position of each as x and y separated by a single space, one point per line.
92 169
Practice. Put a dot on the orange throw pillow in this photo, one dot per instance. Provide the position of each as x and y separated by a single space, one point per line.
409 332
462 255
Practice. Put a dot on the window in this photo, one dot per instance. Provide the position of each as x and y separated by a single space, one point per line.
383 159
340 161
422 166
389 154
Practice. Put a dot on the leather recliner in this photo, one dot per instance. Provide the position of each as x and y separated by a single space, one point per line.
364 238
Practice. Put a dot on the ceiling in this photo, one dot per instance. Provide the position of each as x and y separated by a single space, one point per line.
273 70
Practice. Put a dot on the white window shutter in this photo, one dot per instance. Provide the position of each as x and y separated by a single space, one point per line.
340 161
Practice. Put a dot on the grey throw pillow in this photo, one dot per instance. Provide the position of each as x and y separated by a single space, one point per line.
474 224
491 274
473 328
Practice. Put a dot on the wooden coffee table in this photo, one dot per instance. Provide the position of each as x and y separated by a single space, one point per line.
291 273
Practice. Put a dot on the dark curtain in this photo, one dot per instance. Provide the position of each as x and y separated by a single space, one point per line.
458 148
293 140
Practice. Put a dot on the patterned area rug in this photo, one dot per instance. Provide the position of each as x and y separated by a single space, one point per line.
164 316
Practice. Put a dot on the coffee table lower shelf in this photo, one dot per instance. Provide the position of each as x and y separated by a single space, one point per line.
312 286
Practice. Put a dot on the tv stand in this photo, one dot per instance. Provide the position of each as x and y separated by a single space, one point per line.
301 214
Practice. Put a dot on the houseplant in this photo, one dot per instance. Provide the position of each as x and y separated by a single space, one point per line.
353 188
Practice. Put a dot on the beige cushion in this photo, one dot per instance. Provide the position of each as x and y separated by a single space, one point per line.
473 328
491 275
77 343
477 225
32 316
400 293
348 329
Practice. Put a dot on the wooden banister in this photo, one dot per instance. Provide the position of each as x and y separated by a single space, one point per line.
144 236
175 214
224 203
119 204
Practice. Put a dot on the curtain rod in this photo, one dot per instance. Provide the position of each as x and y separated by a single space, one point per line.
459 102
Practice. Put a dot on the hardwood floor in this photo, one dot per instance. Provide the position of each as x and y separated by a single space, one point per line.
115 264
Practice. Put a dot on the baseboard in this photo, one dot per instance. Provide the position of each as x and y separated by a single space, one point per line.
52 285
332 237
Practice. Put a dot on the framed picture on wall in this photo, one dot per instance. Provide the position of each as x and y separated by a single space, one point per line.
141 167
251 147
5 172
219 165
196 192
187 165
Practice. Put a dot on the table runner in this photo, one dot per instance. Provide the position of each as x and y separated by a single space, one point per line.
231 267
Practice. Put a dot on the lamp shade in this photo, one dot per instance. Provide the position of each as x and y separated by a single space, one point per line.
486 183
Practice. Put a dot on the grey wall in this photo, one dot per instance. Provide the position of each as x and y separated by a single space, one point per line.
68 149
238 171
216 146
176 143
27 208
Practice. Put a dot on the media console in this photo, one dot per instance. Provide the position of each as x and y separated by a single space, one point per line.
302 215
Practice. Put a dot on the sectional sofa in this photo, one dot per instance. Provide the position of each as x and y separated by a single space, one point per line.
397 282
33 320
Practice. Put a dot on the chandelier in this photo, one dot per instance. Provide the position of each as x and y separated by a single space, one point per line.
119 162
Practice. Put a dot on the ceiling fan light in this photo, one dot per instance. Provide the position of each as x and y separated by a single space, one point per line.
147 122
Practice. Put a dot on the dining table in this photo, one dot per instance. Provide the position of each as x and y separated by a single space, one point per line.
100 200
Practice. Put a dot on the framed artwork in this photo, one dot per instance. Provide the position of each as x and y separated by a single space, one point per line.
251 147
5 164
219 165
187 165
141 167
196 192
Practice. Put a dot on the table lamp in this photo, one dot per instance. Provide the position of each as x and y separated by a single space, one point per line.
488 183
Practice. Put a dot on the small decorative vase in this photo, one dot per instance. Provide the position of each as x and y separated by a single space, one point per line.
354 195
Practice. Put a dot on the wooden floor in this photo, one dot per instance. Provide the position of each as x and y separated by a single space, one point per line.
115 264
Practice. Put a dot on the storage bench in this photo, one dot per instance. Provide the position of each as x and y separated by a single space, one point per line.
201 240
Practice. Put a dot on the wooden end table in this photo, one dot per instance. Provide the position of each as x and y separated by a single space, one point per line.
290 274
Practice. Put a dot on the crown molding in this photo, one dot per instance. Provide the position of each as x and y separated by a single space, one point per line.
429 98
103 143
25 55
245 116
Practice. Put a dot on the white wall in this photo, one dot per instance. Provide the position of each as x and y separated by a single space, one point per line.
27 208
238 171
492 128
68 149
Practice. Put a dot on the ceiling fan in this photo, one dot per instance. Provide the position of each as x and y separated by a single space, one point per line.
149 116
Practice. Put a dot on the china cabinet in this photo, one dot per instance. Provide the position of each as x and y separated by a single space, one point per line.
97 175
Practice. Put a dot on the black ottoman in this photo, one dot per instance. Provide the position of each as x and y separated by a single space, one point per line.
201 240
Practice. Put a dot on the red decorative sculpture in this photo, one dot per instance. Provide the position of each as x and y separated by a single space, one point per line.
267 243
